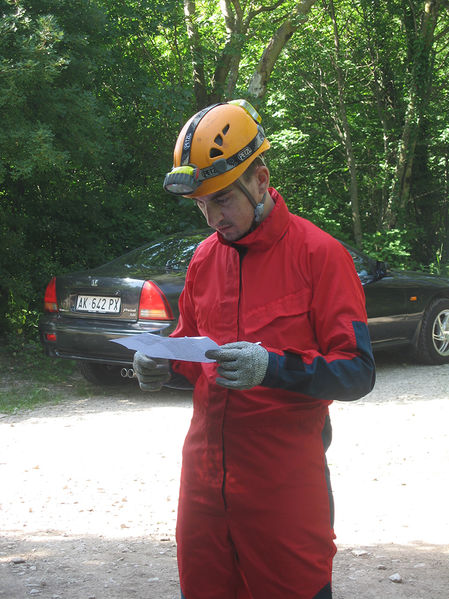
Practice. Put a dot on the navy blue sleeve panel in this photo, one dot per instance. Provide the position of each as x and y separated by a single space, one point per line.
341 379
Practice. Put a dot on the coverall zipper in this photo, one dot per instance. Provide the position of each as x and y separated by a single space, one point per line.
241 252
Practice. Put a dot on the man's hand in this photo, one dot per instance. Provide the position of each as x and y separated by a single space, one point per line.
241 365
151 373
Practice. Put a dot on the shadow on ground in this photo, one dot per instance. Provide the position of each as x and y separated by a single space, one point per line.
52 565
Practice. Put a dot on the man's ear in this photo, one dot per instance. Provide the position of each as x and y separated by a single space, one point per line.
263 178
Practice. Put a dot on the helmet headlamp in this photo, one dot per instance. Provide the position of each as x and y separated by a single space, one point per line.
249 109
186 178
182 180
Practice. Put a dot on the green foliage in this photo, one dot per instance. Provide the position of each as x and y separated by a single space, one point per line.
23 360
81 158
52 125
389 246
380 52
23 322
94 92
26 398
439 266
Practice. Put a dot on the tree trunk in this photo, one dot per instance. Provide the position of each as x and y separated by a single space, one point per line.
224 79
381 81
345 134
228 63
445 240
199 81
420 86
259 81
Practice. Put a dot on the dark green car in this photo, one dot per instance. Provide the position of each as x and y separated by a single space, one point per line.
139 292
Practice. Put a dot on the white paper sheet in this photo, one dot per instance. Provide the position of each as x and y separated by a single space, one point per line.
189 349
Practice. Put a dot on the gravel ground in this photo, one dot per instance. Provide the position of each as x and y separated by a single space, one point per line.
89 492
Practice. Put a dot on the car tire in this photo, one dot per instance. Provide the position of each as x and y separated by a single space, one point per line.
102 374
433 341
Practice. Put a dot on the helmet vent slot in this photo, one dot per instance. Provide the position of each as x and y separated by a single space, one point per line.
214 152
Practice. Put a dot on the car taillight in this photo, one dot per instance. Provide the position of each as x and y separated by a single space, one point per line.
50 299
153 304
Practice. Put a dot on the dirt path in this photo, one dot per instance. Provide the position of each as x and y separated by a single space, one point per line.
89 492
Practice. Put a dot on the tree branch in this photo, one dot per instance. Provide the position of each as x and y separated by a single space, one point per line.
196 51
259 81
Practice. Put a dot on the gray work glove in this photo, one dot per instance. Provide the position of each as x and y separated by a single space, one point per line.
241 365
151 373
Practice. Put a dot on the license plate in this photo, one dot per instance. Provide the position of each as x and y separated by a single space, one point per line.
98 303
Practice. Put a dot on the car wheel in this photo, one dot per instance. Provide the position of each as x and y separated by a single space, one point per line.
102 374
433 342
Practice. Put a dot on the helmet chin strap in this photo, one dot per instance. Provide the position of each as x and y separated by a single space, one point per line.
258 207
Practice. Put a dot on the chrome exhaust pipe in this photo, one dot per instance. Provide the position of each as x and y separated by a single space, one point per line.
127 373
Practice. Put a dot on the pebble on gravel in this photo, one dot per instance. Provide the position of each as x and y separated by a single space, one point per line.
396 577
359 552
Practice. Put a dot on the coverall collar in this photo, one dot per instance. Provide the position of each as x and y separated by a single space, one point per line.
269 231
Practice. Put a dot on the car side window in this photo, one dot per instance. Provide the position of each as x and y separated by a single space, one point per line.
364 266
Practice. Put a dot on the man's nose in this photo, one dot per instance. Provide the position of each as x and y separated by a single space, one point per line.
212 213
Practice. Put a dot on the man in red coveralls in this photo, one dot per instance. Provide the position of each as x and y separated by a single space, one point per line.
284 303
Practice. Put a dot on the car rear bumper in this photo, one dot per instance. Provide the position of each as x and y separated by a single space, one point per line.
64 337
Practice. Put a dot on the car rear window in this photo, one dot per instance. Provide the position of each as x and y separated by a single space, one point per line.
171 254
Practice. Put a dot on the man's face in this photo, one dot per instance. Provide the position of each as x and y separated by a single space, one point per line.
229 211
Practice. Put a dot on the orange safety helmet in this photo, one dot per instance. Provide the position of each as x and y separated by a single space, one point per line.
214 148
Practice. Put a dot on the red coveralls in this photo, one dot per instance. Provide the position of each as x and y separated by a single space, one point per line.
255 508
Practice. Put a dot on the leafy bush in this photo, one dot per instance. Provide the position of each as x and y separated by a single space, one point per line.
388 246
